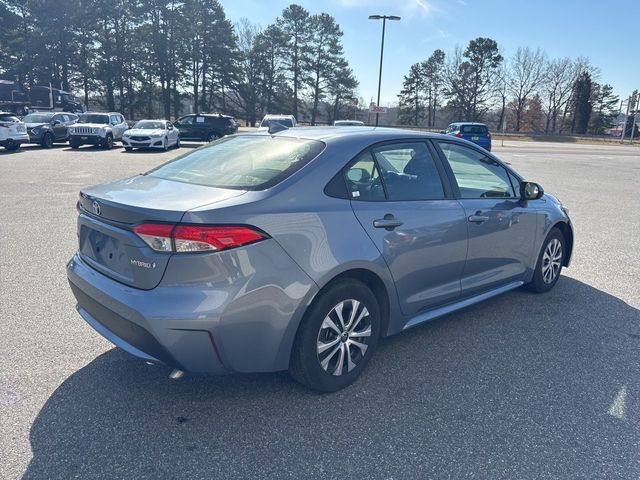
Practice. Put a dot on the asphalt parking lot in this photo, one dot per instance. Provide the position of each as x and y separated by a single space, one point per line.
521 386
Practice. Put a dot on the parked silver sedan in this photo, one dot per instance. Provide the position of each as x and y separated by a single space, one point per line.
160 134
298 250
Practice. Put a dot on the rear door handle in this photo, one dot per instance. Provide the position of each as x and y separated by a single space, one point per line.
389 222
477 218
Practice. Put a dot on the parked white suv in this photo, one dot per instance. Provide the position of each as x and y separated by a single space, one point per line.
13 132
101 129
288 121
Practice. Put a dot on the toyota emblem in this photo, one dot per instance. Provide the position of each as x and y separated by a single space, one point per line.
97 208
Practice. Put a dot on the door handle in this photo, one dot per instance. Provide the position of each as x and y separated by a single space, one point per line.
478 218
389 222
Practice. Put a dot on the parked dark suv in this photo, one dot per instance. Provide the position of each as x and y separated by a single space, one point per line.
47 128
205 127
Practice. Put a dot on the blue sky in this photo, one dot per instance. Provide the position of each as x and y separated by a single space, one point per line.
605 32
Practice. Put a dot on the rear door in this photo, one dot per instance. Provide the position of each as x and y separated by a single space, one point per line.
399 198
501 229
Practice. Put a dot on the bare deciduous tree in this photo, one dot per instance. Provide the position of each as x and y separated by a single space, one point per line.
528 71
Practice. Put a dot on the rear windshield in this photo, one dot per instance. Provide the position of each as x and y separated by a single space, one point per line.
38 118
282 121
94 118
249 162
479 129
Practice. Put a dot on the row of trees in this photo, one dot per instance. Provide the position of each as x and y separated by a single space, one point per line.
527 91
166 57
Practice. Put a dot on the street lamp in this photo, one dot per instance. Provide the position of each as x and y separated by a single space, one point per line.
384 19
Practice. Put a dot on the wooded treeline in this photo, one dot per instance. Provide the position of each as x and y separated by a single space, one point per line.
528 91
165 58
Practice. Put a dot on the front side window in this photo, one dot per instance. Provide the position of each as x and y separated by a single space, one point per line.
477 174
409 172
363 180
244 163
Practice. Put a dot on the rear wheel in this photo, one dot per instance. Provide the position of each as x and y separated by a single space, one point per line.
128 149
12 146
337 337
549 263
108 142
213 136
47 140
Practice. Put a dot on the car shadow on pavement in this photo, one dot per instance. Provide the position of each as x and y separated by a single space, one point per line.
521 386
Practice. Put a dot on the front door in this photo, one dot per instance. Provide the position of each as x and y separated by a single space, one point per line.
398 195
501 229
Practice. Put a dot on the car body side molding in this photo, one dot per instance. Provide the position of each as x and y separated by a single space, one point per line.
452 307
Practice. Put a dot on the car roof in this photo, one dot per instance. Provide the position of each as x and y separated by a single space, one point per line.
468 123
329 133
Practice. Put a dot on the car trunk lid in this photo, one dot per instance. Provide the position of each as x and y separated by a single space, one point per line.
109 212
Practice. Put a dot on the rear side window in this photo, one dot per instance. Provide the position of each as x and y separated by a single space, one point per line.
409 172
244 163
8 118
363 179
474 129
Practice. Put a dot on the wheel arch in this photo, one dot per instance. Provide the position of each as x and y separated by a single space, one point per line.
567 233
374 283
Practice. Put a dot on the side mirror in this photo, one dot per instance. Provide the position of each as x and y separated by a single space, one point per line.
55 122
358 175
530 191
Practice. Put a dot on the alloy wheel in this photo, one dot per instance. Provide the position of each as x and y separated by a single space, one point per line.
551 261
344 337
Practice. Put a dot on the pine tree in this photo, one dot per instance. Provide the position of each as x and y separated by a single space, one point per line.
605 109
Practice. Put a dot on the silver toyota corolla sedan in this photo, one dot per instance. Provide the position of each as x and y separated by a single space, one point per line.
299 249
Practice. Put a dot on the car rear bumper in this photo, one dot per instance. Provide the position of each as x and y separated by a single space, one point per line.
244 322
15 139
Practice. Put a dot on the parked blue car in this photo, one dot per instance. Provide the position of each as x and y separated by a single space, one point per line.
477 133
298 250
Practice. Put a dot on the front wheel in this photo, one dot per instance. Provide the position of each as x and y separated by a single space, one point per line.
47 141
337 337
108 142
177 142
213 136
549 263
165 144
12 146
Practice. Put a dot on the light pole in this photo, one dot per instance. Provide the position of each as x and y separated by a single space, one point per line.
384 19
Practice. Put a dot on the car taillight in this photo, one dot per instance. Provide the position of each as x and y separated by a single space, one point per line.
488 135
156 235
459 135
196 238
192 238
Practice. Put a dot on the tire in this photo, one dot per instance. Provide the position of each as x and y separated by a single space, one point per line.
177 145
75 146
213 136
12 146
165 144
549 264
47 140
340 364
108 142
128 149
